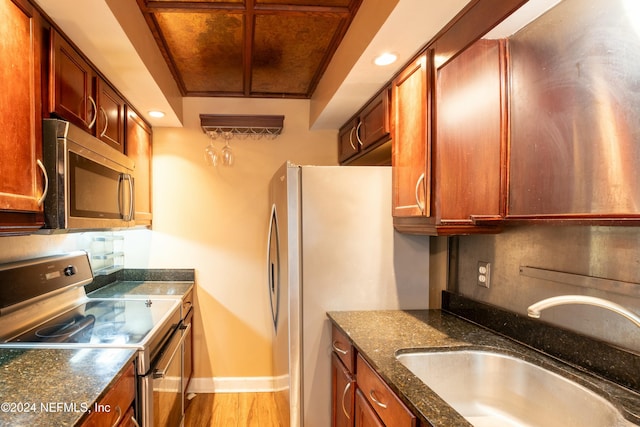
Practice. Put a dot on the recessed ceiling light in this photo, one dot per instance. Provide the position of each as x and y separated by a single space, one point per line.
385 59
156 114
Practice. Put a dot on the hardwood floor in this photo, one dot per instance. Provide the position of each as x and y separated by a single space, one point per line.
232 410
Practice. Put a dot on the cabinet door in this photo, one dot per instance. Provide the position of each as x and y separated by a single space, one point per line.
364 414
138 147
342 394
374 121
111 115
468 148
114 406
411 139
21 179
348 145
71 78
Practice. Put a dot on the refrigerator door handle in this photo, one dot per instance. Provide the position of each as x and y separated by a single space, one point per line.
273 266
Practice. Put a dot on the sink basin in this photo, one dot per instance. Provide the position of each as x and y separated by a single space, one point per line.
494 389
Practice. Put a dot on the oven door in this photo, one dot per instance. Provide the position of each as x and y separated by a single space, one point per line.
161 388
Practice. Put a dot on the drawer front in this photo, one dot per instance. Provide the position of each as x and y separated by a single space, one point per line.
384 401
114 406
342 347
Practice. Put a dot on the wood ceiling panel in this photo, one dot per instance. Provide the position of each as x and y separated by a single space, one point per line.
198 1
250 48
324 3
288 51
206 50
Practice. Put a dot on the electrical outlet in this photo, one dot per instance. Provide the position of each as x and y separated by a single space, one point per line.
484 274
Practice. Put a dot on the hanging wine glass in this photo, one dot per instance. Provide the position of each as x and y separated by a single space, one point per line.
227 154
211 155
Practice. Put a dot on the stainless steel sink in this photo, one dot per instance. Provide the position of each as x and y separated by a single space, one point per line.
494 389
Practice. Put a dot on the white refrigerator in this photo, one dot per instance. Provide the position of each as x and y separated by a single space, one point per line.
332 247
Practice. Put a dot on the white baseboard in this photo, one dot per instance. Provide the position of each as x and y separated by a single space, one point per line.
237 384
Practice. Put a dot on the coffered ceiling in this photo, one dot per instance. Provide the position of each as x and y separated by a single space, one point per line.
248 48
115 36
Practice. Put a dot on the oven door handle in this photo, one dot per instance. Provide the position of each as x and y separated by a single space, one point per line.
161 368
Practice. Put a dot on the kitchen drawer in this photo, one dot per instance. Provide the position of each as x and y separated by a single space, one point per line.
342 347
384 401
116 404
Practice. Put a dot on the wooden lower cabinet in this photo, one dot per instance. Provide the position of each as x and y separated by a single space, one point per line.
116 407
382 399
365 415
359 397
343 384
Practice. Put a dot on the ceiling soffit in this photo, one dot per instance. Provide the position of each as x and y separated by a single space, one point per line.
248 48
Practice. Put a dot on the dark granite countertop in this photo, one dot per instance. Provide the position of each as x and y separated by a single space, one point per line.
124 289
379 335
143 282
44 387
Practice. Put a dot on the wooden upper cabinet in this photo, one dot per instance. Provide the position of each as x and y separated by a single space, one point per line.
348 145
110 122
411 140
22 182
138 144
469 147
71 91
361 137
374 123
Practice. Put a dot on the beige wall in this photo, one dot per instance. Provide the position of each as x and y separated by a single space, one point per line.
215 220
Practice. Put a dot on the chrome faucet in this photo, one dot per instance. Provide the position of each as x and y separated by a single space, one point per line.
535 309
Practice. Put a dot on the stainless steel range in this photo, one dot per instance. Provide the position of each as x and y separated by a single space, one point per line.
43 305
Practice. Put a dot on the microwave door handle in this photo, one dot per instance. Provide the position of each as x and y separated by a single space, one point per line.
131 199
125 177
120 195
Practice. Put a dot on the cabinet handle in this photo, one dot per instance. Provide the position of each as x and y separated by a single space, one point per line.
106 122
351 139
135 423
95 112
418 202
117 421
338 349
376 401
344 396
46 182
358 133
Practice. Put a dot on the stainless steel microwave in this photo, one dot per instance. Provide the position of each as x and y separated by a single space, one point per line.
90 184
